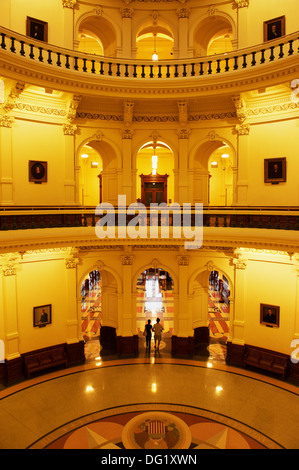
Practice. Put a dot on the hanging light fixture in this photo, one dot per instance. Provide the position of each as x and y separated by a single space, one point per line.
155 55
154 161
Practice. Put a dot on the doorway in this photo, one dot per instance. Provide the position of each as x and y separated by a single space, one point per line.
155 300
218 314
153 189
91 313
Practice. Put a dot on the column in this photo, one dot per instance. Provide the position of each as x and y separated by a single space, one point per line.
73 323
126 14
242 6
239 307
71 186
6 163
183 14
183 340
243 155
183 175
127 339
127 184
68 9
10 308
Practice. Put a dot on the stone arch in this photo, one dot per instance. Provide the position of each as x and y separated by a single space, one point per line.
155 263
203 31
101 27
203 275
160 26
112 161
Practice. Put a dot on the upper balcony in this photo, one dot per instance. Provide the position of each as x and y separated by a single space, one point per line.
267 64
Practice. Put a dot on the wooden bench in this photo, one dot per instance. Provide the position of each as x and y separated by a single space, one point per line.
266 360
44 359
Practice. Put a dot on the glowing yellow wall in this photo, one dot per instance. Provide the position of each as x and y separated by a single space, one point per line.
273 140
274 284
42 142
40 283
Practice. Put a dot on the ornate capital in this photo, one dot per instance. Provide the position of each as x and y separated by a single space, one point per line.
69 129
183 12
127 260
71 263
9 269
183 260
127 134
126 12
241 3
184 133
212 10
6 121
238 260
243 129
69 3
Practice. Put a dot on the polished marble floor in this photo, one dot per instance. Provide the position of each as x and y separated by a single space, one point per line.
153 401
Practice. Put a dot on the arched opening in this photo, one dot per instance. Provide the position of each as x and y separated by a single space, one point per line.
154 42
219 314
211 313
91 313
213 35
90 182
98 173
155 175
155 300
221 176
213 174
96 35
99 313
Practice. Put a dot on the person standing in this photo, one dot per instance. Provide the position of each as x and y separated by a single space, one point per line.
157 329
148 329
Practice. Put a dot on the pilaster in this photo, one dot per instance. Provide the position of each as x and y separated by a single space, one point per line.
73 324
237 308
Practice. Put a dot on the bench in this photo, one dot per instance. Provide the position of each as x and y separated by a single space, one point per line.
266 360
40 360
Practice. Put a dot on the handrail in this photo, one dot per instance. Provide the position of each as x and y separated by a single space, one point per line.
82 217
70 60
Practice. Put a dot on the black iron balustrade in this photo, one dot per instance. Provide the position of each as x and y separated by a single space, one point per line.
47 54
25 219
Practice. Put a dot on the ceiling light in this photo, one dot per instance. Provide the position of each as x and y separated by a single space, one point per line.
84 155
155 55
225 155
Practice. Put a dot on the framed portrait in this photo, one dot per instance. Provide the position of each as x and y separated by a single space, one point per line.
42 315
38 171
275 170
269 315
37 29
274 28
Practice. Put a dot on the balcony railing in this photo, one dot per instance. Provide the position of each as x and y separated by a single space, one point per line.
256 217
90 64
